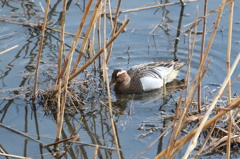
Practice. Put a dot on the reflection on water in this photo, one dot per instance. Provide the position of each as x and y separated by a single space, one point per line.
153 35
122 100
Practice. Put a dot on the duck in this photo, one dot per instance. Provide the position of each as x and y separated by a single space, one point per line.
145 77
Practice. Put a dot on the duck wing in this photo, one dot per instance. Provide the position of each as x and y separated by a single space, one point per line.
150 76
155 70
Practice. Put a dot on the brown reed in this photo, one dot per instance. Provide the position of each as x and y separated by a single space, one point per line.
59 81
61 106
202 50
175 146
114 27
91 23
40 51
181 142
105 76
90 61
229 82
155 6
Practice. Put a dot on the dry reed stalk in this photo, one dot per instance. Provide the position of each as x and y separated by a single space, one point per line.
40 51
69 145
9 49
114 27
61 141
193 143
105 76
96 151
99 39
192 89
211 12
150 7
94 29
233 81
176 126
199 81
54 90
64 32
233 105
100 51
202 50
59 81
91 23
13 156
191 93
67 71
182 118
206 139
229 82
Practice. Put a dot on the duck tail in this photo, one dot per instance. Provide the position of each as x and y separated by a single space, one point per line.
179 65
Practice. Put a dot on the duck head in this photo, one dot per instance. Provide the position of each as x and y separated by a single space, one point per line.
120 79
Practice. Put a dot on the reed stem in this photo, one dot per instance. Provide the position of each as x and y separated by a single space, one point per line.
233 105
95 56
229 82
105 74
91 23
59 81
40 50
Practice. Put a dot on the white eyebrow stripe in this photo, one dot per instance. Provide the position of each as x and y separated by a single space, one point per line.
121 72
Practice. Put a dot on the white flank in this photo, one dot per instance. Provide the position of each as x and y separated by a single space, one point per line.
150 83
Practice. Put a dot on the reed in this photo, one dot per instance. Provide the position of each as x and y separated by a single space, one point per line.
174 146
193 143
181 142
105 76
202 51
114 26
40 51
229 82
64 73
92 22
155 6
90 61
59 81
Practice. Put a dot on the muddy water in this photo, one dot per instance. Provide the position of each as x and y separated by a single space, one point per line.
139 118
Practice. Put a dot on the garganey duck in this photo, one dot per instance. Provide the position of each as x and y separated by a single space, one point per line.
145 77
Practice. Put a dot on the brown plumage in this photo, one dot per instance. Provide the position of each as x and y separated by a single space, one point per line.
145 77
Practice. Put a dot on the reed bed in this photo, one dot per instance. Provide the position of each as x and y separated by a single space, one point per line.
60 93
181 118
64 96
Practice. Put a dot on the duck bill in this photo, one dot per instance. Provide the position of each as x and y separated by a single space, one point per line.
112 84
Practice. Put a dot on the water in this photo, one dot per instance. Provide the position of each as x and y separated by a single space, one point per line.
17 77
